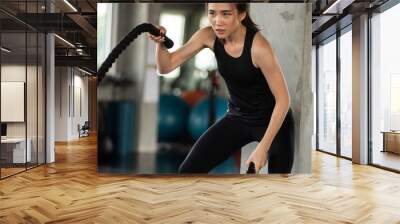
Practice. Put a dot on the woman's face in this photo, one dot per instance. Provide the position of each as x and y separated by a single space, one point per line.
224 18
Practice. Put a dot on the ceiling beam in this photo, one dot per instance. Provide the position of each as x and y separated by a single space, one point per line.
84 24
337 7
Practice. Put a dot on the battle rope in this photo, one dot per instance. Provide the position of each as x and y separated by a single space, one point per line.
125 42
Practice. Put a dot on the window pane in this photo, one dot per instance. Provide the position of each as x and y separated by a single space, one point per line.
386 88
327 97
346 94
13 87
31 98
313 73
104 11
41 98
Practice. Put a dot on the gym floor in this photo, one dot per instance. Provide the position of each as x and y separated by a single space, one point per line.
166 160
72 191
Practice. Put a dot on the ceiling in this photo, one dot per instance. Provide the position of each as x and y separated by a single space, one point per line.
74 22
330 15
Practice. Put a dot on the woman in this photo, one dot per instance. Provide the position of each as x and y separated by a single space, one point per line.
259 100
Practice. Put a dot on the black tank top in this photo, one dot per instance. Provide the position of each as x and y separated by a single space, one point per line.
250 97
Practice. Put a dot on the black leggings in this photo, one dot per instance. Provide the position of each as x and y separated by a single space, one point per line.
231 133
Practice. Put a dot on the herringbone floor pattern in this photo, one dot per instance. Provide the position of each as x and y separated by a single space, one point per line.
71 191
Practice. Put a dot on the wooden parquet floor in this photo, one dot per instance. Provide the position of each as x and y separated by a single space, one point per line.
71 191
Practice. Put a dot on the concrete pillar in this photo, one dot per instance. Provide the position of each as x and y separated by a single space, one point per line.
360 90
50 98
288 29
149 93
132 63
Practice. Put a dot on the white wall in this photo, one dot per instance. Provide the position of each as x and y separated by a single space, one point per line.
12 101
70 83
33 126
16 73
80 83
61 103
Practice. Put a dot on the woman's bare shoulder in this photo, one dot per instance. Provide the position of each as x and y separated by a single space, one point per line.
260 42
208 36
260 49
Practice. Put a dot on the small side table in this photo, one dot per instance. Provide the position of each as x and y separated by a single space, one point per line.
391 141
15 151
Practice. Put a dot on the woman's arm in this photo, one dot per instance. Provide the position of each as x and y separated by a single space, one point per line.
264 58
167 62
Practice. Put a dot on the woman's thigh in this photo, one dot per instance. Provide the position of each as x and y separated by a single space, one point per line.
216 145
281 152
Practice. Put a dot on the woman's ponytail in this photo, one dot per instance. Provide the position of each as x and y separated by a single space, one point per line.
247 21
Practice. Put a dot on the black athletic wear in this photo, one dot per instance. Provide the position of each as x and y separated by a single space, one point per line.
251 103
250 96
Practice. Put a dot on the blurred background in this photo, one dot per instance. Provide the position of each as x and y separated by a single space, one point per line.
170 111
